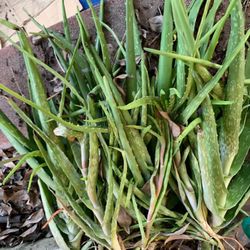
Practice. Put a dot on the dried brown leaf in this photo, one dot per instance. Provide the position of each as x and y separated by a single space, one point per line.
9 231
124 220
19 197
34 218
29 231
156 23
177 237
5 209
175 129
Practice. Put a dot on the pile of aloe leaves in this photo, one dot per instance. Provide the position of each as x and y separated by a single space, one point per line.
156 159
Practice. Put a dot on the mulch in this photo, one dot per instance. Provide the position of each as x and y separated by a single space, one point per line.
21 212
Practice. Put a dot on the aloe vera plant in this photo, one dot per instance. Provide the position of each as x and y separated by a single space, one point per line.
163 155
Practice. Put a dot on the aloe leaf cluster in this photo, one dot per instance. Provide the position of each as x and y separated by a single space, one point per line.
157 155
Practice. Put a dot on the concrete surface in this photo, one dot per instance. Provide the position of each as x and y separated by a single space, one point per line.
13 10
44 244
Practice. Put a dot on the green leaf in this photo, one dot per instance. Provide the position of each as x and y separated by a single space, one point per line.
69 125
234 91
165 63
131 85
20 163
243 151
238 186
48 209
198 99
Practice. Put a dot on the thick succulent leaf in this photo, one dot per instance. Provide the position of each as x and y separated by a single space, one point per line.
238 186
165 63
8 128
234 91
244 146
232 213
199 98
212 179
48 208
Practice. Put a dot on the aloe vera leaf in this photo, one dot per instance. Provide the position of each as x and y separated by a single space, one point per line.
185 46
9 24
188 59
152 204
182 194
196 101
139 219
192 125
165 63
9 128
182 84
57 156
206 77
201 25
188 188
52 116
145 82
212 152
131 85
197 178
244 147
46 199
140 151
182 24
134 137
90 227
122 134
101 18
101 37
20 163
118 202
36 86
146 200
93 168
137 35
21 144
92 234
194 12
234 91
232 213
238 186
165 179
209 184
147 100
247 68
108 214
119 43
108 87
129 193
65 23
34 172
209 22
214 40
